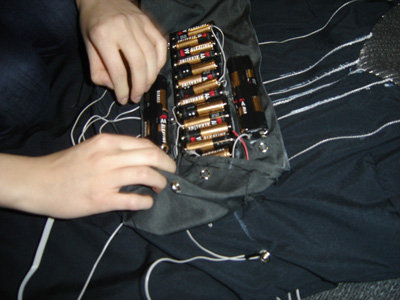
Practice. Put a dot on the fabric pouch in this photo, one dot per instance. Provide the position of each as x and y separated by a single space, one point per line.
206 188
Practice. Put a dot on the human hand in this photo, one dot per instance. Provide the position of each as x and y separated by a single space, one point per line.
126 51
86 179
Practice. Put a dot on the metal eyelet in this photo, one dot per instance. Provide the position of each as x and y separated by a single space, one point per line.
176 187
205 174
263 147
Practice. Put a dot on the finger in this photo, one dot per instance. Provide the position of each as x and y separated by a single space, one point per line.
98 72
160 44
116 68
129 201
139 175
141 60
120 142
153 157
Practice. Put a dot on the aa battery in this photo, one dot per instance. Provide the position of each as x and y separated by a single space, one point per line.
190 70
198 89
189 32
210 144
196 79
206 133
206 121
156 114
197 99
225 152
199 110
197 59
190 51
195 40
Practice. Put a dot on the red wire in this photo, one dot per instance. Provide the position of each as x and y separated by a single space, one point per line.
246 151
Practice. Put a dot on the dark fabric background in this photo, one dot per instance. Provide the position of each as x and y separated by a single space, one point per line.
334 217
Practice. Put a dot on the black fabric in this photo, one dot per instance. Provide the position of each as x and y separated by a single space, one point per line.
334 217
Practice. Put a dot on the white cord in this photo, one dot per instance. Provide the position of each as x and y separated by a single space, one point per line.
95 118
237 140
216 258
185 261
80 115
298 297
98 260
346 138
309 82
177 135
38 257
311 33
222 79
353 42
118 118
331 99
289 99
92 120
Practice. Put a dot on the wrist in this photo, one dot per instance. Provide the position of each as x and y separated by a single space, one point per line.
20 178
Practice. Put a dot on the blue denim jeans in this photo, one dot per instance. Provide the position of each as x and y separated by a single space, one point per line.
31 32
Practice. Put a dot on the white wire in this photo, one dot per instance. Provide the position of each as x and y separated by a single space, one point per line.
180 126
176 261
94 119
353 42
98 260
311 33
80 115
308 92
298 297
222 79
237 140
116 120
309 82
38 257
216 255
216 258
331 99
346 138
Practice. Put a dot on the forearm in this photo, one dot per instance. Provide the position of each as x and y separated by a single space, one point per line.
85 179
18 175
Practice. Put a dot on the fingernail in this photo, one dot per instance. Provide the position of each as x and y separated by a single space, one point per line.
124 100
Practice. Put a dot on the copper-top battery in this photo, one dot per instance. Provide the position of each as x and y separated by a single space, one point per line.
210 144
191 41
190 51
189 32
206 132
187 70
224 152
196 79
197 59
198 89
201 98
206 121
199 110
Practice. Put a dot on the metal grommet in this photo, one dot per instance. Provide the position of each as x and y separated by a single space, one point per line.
265 256
205 174
176 187
263 147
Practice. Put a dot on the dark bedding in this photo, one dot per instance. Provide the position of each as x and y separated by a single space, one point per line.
334 217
